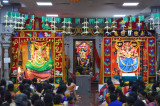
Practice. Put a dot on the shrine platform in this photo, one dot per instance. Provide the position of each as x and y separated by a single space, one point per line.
128 78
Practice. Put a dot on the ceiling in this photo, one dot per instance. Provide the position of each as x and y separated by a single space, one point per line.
86 8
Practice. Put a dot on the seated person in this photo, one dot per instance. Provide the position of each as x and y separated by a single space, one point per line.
61 90
143 96
11 90
114 101
110 90
70 101
129 101
57 100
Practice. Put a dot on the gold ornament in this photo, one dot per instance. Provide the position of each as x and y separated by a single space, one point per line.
142 33
123 33
116 33
119 43
134 43
136 33
22 34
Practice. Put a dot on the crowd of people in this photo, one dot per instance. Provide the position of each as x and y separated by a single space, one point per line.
33 93
131 94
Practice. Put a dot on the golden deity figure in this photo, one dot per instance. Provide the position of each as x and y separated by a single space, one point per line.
39 57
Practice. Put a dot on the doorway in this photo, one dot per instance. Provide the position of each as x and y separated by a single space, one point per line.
84 62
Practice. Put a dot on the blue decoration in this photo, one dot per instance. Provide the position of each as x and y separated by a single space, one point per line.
40 34
151 41
51 50
151 51
107 50
58 34
152 69
29 52
107 60
16 34
107 40
107 69
138 27
152 60
128 64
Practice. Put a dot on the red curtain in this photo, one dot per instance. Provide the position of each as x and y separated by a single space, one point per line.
97 59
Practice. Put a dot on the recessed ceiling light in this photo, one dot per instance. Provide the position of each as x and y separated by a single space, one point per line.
44 3
130 4
5 1
52 15
119 15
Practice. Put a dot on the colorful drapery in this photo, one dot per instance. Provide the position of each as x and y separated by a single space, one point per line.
19 53
144 64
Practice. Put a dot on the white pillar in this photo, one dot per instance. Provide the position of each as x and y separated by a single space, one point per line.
6 44
6 65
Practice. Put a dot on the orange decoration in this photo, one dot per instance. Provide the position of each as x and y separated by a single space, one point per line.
144 78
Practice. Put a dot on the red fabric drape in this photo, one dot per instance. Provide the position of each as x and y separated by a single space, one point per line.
74 78
94 77
97 59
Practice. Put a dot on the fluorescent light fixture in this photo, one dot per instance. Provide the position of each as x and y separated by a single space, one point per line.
119 15
44 3
5 1
130 4
52 15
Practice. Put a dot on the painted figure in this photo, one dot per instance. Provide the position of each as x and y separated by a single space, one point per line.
40 59
83 53
127 58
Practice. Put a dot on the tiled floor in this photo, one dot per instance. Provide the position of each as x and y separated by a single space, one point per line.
89 99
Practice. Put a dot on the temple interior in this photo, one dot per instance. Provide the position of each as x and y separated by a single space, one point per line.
85 52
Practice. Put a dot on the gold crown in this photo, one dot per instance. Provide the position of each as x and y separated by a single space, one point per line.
136 33
116 33
123 33
142 33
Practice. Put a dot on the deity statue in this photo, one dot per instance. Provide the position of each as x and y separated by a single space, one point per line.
127 58
40 60
83 54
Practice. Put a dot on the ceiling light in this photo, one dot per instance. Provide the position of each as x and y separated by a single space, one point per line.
5 1
119 15
52 15
44 3
130 4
